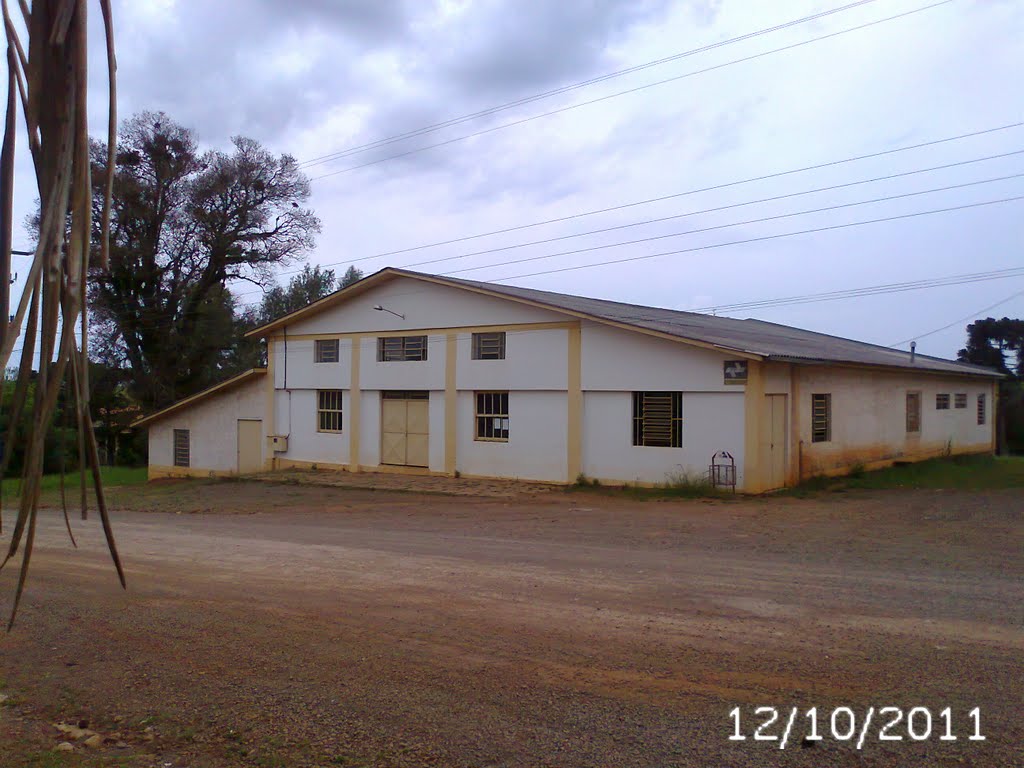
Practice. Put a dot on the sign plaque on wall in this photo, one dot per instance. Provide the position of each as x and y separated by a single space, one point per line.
735 371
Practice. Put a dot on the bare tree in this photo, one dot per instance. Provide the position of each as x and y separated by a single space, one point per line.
184 223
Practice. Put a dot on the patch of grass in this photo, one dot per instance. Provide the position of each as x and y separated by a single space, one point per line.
964 473
677 485
112 477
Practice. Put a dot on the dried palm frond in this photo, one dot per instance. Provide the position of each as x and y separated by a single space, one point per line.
51 84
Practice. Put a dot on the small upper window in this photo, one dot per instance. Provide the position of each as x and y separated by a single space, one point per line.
960 400
942 402
326 350
489 346
182 452
981 409
658 419
913 411
821 418
400 348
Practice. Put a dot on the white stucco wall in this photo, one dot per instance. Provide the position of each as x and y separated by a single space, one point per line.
711 421
424 305
619 360
296 418
537 444
534 359
213 430
869 417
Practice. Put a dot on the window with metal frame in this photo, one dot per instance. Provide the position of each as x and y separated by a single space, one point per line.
658 419
942 402
325 351
492 416
401 348
821 418
981 409
182 448
960 400
489 346
328 410
913 412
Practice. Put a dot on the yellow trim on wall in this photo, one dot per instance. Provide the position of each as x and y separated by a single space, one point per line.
795 470
270 411
574 393
158 472
510 328
450 404
355 405
753 405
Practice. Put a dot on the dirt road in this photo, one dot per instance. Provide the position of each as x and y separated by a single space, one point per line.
315 627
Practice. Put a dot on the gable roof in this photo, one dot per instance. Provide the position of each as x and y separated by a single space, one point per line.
216 389
756 339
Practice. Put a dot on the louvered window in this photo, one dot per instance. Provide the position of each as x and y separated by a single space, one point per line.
328 410
960 400
401 348
326 350
821 418
981 409
182 454
489 346
492 416
658 419
942 402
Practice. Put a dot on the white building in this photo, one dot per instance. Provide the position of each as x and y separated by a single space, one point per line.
408 372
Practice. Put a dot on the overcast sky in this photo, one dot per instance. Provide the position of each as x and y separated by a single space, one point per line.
312 77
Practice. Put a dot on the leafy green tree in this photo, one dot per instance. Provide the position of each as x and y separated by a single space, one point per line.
999 344
352 275
184 224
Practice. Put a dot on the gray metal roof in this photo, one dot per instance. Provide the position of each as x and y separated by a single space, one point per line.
770 340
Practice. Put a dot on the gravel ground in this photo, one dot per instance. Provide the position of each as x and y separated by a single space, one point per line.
288 626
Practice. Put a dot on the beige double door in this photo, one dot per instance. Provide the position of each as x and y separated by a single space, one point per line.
774 441
405 428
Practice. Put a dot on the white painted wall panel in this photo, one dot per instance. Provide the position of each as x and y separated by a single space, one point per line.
369 438
534 359
299 421
424 305
711 421
213 428
304 373
537 444
411 374
621 360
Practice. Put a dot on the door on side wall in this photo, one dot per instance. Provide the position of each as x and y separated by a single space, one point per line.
405 428
250 446
774 441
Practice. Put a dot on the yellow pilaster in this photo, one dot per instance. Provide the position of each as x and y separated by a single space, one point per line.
450 404
794 472
753 404
269 425
355 403
574 459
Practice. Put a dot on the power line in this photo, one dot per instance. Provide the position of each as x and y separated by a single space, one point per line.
872 290
763 238
675 195
760 220
696 249
964 319
569 107
715 210
331 156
